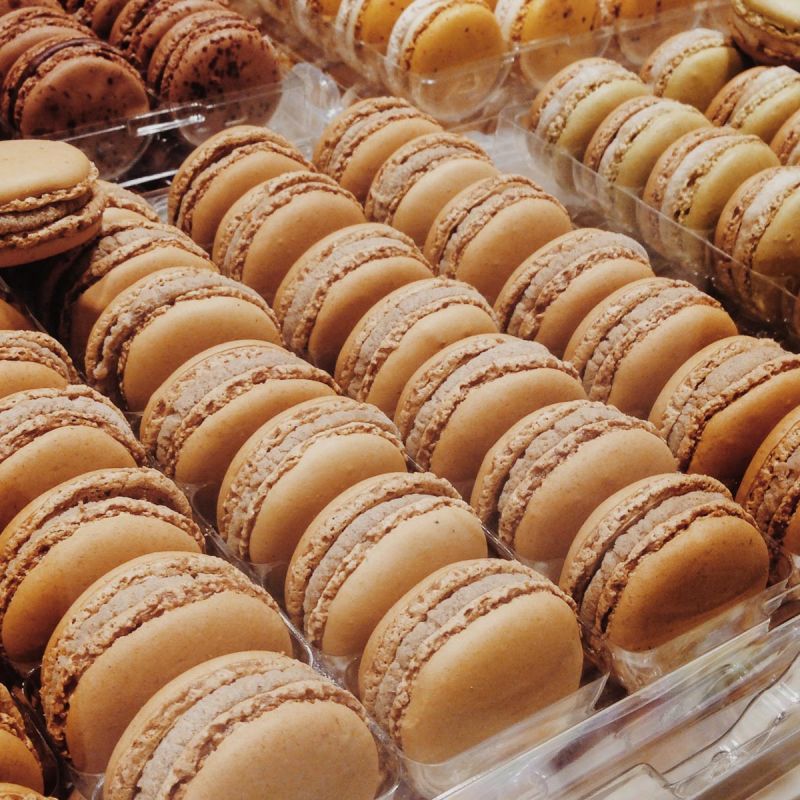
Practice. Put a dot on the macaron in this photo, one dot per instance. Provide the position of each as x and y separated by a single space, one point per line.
13 791
204 412
487 230
495 619
33 360
294 465
573 103
99 15
13 316
550 293
786 143
630 344
38 93
314 19
6 6
357 142
164 319
68 537
338 280
218 172
118 197
243 725
768 30
402 331
769 488
692 66
49 200
99 668
757 101
367 548
660 557
273 224
51 435
718 408
543 478
614 10
19 760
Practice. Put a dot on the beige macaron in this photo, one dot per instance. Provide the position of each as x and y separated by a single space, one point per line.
769 30
20 762
786 143
33 360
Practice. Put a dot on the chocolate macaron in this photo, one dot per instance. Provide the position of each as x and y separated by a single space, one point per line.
33 360
19 759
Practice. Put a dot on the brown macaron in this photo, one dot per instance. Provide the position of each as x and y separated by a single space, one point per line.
33 360
630 344
402 331
164 319
294 465
464 398
338 280
368 547
660 557
721 404
75 533
489 624
19 759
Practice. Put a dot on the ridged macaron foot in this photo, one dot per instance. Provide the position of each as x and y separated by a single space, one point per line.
718 408
267 229
201 415
51 435
757 101
126 200
370 546
402 331
243 726
486 231
786 143
573 103
495 619
33 360
459 402
630 344
50 201
218 172
19 759
768 30
692 66
38 94
357 142
13 791
660 557
164 319
294 465
68 537
421 177
338 280
543 478
548 296
133 631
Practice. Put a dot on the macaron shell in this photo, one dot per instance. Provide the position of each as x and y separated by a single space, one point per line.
18 765
18 376
13 319
778 251
768 118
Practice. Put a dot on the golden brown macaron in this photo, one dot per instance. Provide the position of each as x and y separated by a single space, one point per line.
463 399
490 622
786 143
721 404
660 557
20 762
126 200
769 30
100 666
33 360
71 535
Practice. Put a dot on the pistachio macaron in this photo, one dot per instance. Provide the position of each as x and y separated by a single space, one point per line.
164 319
368 547
400 332
660 557
99 668
71 535
20 762
769 30
33 360
495 619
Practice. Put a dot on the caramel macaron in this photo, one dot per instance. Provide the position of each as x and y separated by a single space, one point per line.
273 224
243 725
462 400
294 465
630 344
201 415
368 547
491 618
20 762
660 557
721 404
402 331
421 177
164 319
75 533
769 30
338 280
99 668
33 360
543 478
786 143
486 231
550 293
